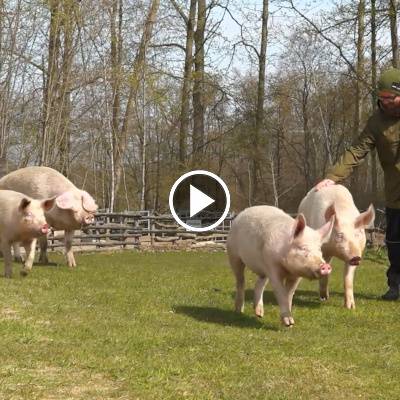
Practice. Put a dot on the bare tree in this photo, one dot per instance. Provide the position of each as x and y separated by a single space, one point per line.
136 76
259 123
198 83
187 78
393 32
374 169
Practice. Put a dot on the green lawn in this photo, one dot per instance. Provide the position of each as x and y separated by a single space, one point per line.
133 325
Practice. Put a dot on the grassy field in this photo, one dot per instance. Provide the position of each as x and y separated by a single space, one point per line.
160 326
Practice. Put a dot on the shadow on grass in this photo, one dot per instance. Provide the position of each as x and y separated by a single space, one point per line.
302 298
307 298
48 264
222 317
364 296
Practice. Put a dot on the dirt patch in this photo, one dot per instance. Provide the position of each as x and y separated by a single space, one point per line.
56 383
7 313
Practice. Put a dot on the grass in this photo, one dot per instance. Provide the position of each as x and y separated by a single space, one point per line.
132 325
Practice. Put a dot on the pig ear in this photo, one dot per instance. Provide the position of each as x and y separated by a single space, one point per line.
299 225
24 203
48 204
326 229
88 202
66 201
366 218
329 212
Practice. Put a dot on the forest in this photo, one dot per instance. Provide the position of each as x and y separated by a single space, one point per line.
123 96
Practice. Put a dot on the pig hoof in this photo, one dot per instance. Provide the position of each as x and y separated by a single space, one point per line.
288 321
323 298
43 260
239 309
350 306
24 272
8 276
71 263
259 310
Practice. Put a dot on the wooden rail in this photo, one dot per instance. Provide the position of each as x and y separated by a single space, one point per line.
144 229
138 229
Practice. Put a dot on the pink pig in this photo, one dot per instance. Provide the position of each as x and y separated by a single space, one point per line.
73 208
22 220
347 241
277 247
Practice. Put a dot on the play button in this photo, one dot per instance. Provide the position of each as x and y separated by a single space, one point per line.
199 200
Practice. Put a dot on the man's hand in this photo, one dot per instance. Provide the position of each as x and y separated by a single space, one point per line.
324 183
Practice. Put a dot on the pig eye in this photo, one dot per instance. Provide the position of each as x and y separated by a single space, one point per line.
358 233
305 250
339 237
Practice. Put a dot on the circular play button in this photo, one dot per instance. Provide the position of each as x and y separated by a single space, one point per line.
199 200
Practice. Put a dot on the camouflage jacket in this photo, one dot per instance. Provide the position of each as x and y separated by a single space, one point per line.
383 133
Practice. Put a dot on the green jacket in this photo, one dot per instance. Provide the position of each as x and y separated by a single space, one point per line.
383 133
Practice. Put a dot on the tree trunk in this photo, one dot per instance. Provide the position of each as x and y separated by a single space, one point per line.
374 99
198 85
359 78
63 128
186 86
50 79
135 78
116 50
259 118
393 32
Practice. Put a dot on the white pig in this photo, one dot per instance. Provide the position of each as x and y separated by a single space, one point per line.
22 220
277 247
73 208
347 241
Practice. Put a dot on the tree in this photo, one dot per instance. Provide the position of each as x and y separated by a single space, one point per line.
393 32
136 77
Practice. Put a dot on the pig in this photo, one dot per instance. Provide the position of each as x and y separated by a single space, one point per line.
73 208
278 248
347 240
22 220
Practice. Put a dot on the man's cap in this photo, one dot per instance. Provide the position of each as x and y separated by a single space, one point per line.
389 81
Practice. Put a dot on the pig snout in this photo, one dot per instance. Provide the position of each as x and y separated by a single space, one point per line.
44 229
325 269
355 261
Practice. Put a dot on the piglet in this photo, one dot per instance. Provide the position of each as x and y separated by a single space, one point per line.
347 240
277 248
22 220
74 208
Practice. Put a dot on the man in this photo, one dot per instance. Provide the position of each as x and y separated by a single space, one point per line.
383 133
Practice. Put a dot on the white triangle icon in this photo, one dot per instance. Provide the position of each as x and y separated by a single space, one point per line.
198 201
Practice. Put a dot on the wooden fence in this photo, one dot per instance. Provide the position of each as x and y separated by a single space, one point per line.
144 229
139 229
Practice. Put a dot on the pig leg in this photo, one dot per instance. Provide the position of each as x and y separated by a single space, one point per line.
43 250
30 247
68 248
291 286
6 249
17 253
281 294
258 295
237 266
323 284
349 271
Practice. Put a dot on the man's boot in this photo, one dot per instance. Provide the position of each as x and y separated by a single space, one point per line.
392 294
